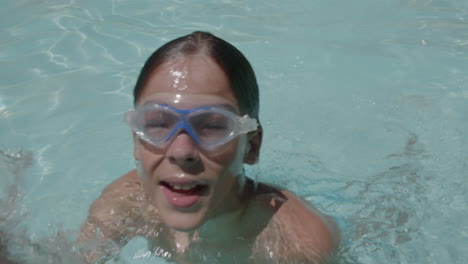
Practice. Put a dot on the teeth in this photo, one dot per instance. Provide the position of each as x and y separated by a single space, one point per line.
184 187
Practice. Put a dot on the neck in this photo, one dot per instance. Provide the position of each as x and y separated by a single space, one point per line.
227 226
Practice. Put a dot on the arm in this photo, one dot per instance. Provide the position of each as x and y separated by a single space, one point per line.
112 219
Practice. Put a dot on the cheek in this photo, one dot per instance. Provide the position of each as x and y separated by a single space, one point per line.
232 156
148 158
147 164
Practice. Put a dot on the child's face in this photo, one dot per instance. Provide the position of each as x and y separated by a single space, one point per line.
186 184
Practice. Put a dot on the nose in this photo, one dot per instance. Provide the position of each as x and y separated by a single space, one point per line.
183 151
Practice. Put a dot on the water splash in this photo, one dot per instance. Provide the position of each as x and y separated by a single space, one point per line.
17 243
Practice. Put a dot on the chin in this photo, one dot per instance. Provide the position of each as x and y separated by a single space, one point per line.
183 222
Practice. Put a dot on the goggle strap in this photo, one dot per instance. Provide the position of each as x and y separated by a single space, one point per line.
247 124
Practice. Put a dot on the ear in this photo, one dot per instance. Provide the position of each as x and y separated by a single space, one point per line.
136 153
253 148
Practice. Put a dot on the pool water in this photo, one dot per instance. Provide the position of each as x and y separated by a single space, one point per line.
372 125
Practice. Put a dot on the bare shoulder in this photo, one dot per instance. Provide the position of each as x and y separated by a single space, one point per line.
308 224
128 186
301 233
123 194
119 204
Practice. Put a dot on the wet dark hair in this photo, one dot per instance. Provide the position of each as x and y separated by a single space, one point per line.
234 64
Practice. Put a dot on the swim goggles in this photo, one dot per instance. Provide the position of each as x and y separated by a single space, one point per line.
208 126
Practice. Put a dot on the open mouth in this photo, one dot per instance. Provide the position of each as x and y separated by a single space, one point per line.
183 195
184 189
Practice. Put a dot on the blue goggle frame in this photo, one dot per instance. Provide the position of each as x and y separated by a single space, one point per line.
241 125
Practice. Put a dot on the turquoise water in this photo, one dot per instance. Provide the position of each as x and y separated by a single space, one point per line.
371 126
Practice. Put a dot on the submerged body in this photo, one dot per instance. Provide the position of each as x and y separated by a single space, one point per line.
274 227
194 125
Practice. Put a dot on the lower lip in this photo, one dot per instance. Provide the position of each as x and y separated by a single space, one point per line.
181 200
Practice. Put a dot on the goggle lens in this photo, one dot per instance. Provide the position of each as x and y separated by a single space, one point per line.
208 126
211 127
157 124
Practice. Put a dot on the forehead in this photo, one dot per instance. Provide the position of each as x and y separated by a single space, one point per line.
189 101
190 79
